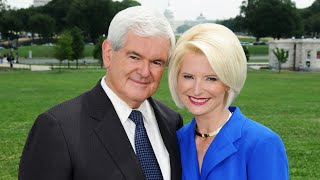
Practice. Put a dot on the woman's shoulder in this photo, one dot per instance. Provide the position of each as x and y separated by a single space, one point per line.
186 129
254 133
251 128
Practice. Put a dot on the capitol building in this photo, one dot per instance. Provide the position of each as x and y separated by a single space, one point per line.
169 14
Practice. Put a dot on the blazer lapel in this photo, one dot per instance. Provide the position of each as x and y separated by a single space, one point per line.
169 139
112 134
222 146
189 155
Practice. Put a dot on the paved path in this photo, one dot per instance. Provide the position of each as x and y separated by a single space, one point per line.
30 63
54 61
27 66
258 57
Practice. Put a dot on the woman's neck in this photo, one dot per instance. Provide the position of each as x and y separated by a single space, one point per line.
211 122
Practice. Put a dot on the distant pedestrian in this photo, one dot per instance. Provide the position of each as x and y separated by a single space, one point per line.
10 58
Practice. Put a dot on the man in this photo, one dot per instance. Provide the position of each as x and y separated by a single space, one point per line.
96 135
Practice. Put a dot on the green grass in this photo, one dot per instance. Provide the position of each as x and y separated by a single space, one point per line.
256 50
259 50
252 39
47 52
287 102
39 51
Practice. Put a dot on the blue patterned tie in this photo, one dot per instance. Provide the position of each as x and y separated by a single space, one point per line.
144 151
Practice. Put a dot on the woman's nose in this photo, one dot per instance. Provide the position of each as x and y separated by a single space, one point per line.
197 87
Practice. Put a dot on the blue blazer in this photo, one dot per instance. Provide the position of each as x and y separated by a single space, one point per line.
243 149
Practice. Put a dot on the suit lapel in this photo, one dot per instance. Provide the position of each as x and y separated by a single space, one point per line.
189 155
112 134
222 146
169 139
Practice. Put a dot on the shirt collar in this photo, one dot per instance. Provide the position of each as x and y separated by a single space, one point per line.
123 109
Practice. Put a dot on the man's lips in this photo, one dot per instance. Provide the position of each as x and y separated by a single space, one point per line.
140 82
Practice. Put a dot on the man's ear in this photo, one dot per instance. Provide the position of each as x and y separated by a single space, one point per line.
106 53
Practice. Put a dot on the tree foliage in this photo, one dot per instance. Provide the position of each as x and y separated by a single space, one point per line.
275 18
235 24
183 28
3 5
97 51
43 25
77 44
311 18
92 16
63 47
246 51
281 55
58 10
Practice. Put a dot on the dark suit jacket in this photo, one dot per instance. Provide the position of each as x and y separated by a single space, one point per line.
83 138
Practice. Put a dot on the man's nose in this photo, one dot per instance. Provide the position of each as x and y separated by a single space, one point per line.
144 69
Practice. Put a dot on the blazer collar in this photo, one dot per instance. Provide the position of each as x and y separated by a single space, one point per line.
220 148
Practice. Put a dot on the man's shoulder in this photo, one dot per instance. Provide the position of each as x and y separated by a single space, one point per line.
169 115
166 111
163 107
68 105
76 103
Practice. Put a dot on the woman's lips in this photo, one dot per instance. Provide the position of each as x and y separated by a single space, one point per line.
198 101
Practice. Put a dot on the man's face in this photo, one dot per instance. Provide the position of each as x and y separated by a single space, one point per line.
135 70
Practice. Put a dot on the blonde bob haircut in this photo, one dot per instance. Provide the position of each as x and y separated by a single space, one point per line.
223 51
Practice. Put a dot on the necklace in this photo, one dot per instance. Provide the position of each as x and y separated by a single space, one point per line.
205 135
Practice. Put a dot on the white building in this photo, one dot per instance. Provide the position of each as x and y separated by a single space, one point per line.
169 14
303 54
37 3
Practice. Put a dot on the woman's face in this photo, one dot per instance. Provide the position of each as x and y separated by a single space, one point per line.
199 88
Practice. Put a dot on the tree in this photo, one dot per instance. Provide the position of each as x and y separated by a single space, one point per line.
11 25
58 10
3 5
311 18
94 16
91 16
97 51
246 51
275 18
42 24
183 28
281 55
77 44
63 47
235 24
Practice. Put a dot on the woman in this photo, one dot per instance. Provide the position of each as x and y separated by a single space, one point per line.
207 71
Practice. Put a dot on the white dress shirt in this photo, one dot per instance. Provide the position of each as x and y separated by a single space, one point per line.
150 123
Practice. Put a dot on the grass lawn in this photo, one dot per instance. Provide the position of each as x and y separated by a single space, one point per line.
259 50
47 52
288 103
40 51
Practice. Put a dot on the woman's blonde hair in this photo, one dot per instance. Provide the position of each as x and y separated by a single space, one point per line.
223 51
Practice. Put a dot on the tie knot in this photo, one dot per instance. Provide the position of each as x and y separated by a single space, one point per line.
136 117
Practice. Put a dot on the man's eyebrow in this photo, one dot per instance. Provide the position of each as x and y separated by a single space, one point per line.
134 53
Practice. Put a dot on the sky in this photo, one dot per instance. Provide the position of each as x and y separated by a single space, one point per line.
188 9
